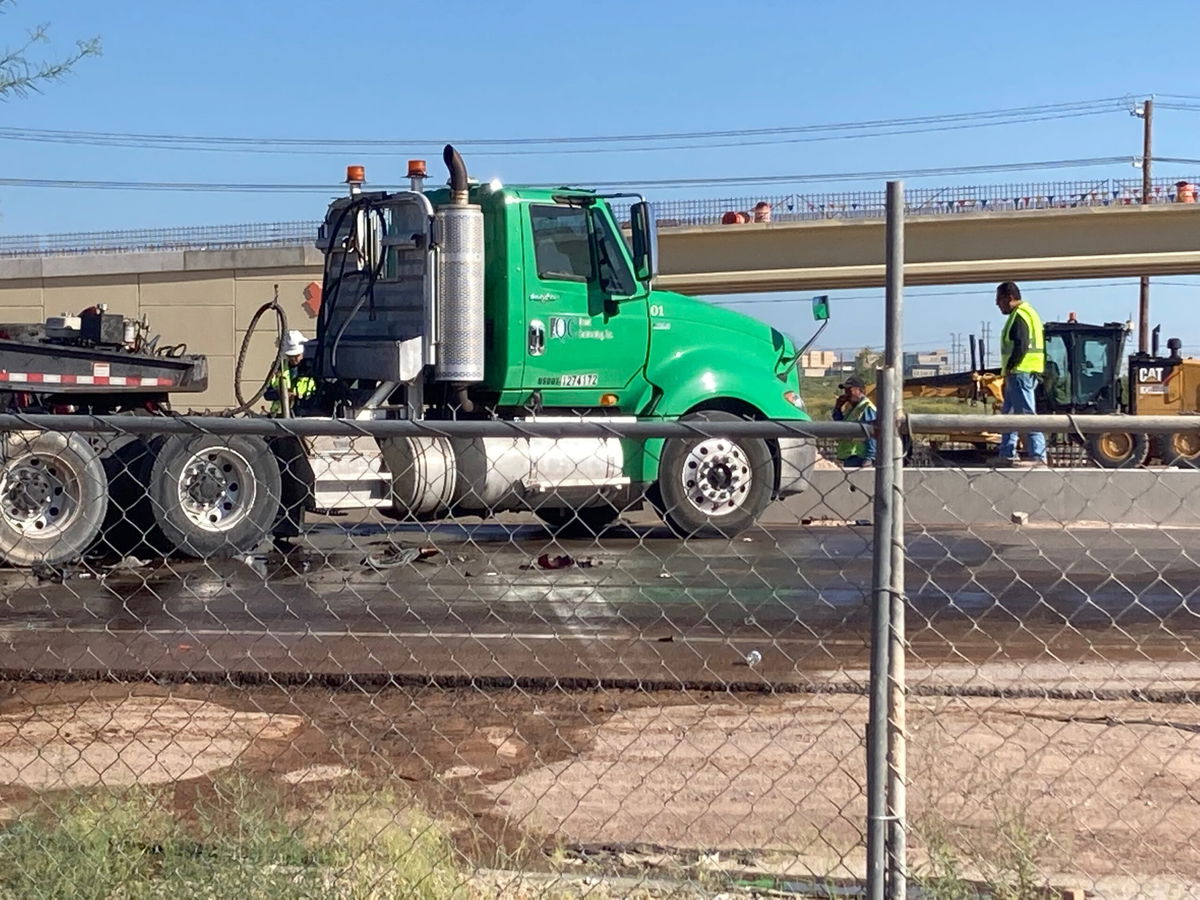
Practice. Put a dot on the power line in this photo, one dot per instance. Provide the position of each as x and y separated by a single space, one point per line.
259 187
217 187
491 146
369 148
864 176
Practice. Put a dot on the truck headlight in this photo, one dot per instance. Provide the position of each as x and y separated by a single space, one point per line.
795 399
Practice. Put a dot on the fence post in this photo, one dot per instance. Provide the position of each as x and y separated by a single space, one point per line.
897 747
879 780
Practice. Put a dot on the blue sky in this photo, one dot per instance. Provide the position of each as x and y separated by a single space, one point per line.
540 68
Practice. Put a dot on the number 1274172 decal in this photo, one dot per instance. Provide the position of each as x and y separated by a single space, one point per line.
591 379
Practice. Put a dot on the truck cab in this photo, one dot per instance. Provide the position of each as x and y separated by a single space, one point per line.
492 301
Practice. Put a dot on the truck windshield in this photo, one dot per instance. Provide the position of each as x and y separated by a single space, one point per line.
615 277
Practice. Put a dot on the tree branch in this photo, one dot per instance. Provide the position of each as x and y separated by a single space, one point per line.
19 77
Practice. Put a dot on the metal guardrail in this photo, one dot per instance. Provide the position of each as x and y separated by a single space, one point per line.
203 237
794 207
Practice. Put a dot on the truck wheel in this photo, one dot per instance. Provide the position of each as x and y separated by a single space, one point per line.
714 487
588 521
1182 450
214 496
129 527
53 497
1118 449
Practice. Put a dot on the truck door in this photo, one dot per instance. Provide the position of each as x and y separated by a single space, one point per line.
587 324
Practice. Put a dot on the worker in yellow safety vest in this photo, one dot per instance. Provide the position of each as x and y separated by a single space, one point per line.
1022 362
853 405
292 377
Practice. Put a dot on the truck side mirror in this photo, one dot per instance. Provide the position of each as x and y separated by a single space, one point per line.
820 308
645 240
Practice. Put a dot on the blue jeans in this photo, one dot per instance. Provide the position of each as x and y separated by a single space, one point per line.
1019 400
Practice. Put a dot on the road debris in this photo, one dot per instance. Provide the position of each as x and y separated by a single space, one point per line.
127 564
753 658
563 561
394 557
56 574
257 563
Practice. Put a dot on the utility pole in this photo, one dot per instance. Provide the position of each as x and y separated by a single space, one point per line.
1147 114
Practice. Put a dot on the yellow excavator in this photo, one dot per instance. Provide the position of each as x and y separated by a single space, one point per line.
1087 373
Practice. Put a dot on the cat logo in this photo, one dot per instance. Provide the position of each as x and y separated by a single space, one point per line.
1150 373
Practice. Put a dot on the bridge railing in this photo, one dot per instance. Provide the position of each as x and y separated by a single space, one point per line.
932 201
201 237
762 208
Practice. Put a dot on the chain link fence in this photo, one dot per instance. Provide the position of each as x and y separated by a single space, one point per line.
257 656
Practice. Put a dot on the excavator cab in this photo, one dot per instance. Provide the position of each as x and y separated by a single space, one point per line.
1084 364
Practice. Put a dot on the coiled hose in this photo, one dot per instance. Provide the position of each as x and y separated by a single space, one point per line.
281 324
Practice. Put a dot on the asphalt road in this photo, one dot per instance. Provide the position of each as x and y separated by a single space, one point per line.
650 610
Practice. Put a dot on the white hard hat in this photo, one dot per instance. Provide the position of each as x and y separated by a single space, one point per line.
293 344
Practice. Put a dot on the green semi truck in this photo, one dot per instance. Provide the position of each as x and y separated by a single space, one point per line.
472 301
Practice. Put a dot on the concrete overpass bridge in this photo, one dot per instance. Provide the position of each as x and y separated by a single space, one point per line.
203 285
1081 242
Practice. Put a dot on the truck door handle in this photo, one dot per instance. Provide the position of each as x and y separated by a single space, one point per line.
537 337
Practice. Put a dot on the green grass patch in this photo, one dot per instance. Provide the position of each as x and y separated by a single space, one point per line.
241 840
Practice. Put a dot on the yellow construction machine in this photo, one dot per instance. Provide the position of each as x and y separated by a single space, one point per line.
1087 373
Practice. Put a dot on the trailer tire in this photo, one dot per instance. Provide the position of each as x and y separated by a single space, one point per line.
587 521
215 496
1180 450
53 498
130 528
713 487
1118 449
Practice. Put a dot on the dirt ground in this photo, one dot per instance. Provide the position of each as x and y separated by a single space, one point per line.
1102 795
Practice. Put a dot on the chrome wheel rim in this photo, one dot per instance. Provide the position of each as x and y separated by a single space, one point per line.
39 495
216 489
716 476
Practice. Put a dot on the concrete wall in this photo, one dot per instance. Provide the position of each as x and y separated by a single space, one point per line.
1143 497
203 298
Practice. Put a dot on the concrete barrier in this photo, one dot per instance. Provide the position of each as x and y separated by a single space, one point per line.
1145 497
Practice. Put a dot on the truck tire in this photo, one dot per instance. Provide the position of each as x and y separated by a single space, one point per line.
53 498
214 496
1180 450
130 528
1118 449
588 521
713 487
